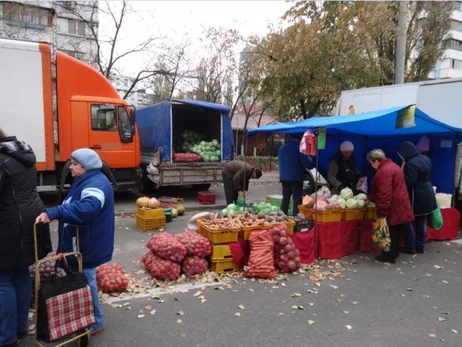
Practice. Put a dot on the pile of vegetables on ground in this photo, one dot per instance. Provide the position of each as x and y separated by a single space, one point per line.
323 200
147 203
169 255
193 142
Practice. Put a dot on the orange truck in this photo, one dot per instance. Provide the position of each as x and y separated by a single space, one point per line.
58 104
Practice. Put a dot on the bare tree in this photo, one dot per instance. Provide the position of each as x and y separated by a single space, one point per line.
107 55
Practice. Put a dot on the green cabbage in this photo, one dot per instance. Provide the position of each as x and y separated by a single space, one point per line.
361 203
361 196
346 193
352 203
341 202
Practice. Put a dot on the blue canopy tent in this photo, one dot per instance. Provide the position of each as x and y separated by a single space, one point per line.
382 129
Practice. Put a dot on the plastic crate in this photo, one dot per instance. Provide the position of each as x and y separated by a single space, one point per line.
150 224
353 213
150 212
327 216
306 211
218 236
206 198
290 226
245 231
370 213
223 265
303 225
221 252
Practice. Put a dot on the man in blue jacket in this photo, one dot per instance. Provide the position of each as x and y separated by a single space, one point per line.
90 207
292 171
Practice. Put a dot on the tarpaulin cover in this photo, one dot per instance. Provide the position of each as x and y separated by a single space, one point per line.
337 239
377 129
306 245
154 125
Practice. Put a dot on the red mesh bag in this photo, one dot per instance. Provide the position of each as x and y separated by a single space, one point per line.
161 268
195 244
111 278
167 247
193 265
185 157
286 254
261 260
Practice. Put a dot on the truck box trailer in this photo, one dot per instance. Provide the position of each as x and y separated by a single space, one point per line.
58 104
161 129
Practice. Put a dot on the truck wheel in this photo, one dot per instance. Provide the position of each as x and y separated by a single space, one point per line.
200 187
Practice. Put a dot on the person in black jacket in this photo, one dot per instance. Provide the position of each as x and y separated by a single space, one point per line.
19 205
418 173
343 172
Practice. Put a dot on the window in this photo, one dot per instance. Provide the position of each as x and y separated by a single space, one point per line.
456 64
456 25
455 44
103 118
75 27
26 14
458 6
125 129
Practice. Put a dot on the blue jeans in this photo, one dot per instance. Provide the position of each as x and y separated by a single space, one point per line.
90 274
417 243
15 295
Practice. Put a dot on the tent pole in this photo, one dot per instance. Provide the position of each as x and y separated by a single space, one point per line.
316 201
245 165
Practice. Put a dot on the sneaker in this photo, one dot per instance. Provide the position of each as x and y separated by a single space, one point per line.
384 259
97 331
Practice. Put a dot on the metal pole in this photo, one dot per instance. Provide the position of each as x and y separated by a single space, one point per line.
401 43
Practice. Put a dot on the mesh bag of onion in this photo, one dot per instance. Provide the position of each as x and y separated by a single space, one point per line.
193 265
286 254
161 268
167 246
111 278
195 244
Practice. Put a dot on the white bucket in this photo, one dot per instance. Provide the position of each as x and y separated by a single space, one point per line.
444 200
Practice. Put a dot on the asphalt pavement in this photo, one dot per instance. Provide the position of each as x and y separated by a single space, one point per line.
353 301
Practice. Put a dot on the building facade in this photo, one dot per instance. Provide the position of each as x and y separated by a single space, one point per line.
69 26
450 64
137 97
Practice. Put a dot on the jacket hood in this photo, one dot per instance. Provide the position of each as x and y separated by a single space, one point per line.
407 150
19 150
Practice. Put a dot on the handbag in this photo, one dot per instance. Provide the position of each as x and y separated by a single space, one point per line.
381 234
65 305
435 219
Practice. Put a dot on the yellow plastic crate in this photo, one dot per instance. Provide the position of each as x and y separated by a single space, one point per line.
150 224
290 225
327 216
150 212
306 211
220 252
371 213
223 265
245 231
353 213
218 236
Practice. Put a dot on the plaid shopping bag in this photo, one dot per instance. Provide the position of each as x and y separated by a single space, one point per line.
381 234
65 306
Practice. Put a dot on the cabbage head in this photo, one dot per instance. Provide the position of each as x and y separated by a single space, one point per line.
352 203
346 193
341 202
361 196
361 203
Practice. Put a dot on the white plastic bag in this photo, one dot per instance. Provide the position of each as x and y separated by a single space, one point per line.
362 185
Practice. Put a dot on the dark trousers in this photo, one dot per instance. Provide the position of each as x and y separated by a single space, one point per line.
230 192
289 189
416 243
395 234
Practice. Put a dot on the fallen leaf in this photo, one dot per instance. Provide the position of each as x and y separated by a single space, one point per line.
128 308
161 301
198 293
432 335
346 312
241 307
251 289
312 277
425 296
203 300
310 322
409 289
317 284
295 295
454 331
294 307
140 315
445 282
180 313
403 295
355 302
152 313
332 286
438 267
442 319
237 314
32 327
179 321
283 284
311 304
349 327
280 314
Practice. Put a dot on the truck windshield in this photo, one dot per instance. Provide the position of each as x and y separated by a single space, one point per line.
125 127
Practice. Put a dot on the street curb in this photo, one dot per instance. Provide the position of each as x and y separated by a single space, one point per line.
187 208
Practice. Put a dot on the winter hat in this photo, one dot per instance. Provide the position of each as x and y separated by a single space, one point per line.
88 158
347 146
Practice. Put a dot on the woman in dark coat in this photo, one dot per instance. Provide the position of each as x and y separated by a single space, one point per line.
389 193
418 173
19 206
